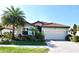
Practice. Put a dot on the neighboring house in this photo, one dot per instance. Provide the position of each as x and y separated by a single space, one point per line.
6 30
52 31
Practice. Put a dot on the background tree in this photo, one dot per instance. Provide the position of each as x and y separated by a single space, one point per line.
74 29
13 16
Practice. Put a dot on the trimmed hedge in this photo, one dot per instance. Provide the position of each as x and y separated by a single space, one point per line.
23 42
76 39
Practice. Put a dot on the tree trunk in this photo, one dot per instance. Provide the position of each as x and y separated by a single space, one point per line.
13 35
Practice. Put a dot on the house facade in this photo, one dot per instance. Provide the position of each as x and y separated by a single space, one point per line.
52 31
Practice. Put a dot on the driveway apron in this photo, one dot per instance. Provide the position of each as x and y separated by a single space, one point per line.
63 46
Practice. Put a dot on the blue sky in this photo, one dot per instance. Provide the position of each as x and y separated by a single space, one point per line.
63 14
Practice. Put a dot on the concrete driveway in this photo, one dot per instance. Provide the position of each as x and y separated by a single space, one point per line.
63 46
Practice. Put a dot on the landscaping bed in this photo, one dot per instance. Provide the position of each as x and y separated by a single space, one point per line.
6 39
22 50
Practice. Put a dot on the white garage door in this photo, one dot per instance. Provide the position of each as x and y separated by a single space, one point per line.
54 34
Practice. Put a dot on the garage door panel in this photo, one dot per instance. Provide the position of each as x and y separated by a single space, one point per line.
54 34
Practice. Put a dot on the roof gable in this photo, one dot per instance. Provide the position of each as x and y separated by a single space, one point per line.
46 24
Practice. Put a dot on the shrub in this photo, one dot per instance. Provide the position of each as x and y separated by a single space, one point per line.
5 42
72 38
40 36
7 35
68 38
76 39
31 38
19 37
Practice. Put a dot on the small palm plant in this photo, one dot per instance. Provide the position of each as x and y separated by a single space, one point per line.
13 16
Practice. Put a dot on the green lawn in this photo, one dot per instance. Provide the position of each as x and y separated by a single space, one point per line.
22 50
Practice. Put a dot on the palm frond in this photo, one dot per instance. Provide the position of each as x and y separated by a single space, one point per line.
13 16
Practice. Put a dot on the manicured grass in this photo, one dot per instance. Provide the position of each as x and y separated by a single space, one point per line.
24 42
22 50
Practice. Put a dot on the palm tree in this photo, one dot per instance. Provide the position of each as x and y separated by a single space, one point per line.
13 16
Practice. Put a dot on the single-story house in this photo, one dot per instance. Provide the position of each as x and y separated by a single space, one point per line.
52 31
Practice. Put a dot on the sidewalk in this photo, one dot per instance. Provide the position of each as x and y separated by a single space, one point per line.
24 46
